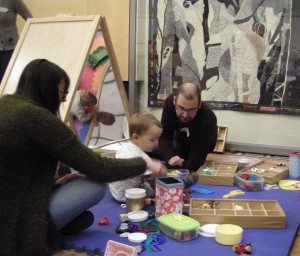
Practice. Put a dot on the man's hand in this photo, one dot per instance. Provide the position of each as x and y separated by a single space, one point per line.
176 161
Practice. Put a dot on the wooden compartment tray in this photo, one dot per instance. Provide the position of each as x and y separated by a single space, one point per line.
245 213
222 173
271 170
221 140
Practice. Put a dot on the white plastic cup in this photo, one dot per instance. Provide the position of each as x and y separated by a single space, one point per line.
243 163
135 199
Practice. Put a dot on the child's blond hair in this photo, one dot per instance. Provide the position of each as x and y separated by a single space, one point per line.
140 123
87 99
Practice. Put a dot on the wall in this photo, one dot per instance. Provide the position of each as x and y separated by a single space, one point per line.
249 132
263 133
116 13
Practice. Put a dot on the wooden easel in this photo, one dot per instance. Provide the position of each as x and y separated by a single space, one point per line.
65 41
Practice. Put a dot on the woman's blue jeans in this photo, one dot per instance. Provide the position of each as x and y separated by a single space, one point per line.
71 199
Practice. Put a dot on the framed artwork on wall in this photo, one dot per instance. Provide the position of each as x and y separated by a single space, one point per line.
243 54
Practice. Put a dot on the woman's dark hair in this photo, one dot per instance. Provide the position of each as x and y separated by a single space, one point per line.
39 82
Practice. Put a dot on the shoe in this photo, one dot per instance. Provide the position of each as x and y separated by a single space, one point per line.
190 180
80 223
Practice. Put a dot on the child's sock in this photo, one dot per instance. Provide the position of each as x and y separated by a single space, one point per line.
190 180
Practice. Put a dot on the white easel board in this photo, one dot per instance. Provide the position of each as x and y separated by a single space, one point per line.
66 41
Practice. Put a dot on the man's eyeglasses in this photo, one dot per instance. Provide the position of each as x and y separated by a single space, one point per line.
188 111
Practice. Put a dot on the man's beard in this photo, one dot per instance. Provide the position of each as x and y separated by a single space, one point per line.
185 120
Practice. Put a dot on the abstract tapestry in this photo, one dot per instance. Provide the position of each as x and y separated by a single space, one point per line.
237 51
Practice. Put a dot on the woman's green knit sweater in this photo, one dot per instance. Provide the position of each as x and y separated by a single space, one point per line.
32 141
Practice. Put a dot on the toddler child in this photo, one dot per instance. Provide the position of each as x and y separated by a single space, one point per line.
83 108
144 132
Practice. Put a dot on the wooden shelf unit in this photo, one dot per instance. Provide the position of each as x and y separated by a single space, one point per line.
221 141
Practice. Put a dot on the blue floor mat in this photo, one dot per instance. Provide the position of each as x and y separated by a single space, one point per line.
94 239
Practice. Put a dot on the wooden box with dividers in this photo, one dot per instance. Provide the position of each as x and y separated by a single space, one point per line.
221 140
217 173
272 170
244 213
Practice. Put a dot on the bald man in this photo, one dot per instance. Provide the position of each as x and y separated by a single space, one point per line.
190 129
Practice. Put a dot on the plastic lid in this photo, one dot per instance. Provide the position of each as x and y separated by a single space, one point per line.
209 228
201 233
178 222
135 193
201 190
137 237
137 216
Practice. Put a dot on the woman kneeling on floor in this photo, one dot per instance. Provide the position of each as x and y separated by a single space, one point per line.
34 206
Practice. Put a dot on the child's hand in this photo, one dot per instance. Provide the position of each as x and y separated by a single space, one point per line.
90 110
94 113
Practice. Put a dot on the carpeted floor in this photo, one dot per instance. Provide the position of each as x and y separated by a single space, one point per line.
70 253
296 245
294 251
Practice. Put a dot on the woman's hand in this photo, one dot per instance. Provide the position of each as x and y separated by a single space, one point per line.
63 180
157 168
